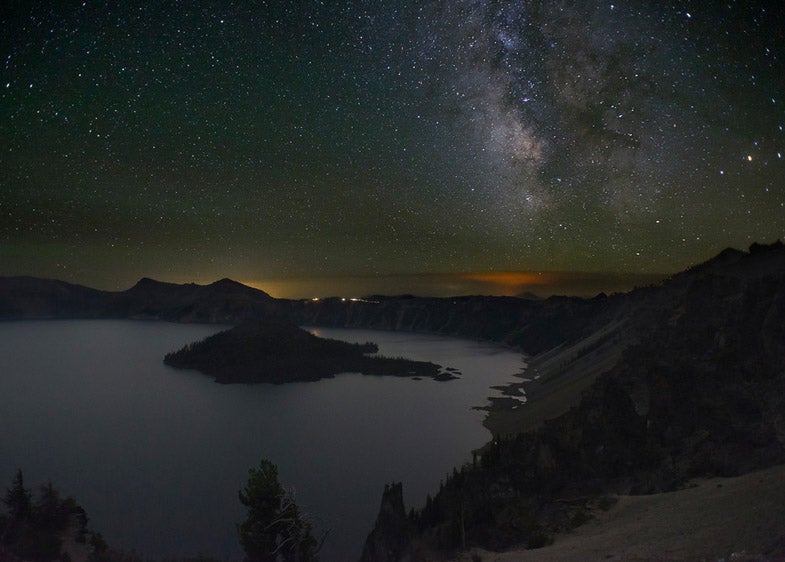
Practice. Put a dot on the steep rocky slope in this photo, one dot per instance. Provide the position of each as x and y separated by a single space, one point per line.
698 390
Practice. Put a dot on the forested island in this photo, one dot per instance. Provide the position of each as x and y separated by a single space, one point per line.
270 351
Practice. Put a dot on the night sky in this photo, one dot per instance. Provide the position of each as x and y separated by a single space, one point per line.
319 147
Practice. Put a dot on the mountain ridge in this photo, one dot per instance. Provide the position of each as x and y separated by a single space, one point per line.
223 301
532 326
684 380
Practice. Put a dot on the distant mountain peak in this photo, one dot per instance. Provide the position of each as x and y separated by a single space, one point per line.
227 284
146 282
757 248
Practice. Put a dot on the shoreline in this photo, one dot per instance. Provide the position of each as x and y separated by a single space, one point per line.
554 381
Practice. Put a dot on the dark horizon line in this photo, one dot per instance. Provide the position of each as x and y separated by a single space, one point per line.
555 279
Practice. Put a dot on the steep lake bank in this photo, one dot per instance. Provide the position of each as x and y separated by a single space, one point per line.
156 455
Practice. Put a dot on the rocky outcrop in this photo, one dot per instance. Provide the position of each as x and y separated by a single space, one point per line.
389 540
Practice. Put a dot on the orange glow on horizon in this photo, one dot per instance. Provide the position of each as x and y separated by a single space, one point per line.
512 278
509 283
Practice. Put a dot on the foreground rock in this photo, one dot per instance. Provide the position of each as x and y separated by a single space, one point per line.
278 352
736 519
389 540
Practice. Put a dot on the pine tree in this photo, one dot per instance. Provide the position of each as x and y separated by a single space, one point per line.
262 496
18 499
273 526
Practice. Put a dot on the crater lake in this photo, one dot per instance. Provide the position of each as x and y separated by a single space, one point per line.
156 455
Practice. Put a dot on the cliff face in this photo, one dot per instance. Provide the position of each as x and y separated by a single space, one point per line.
698 391
533 326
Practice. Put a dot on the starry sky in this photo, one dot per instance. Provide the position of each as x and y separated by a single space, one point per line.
317 147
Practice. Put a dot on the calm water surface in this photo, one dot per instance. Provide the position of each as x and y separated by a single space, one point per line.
156 455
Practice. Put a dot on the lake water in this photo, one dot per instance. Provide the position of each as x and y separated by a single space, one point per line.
157 455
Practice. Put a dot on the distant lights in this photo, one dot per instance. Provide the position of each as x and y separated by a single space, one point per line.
344 299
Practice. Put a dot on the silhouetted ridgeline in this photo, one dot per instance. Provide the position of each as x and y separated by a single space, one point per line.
534 326
29 297
279 352
638 392
224 301
530 325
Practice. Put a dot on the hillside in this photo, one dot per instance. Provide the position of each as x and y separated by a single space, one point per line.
29 298
697 390
736 519
723 292
222 302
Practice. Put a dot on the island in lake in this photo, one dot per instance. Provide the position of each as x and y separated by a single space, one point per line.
268 351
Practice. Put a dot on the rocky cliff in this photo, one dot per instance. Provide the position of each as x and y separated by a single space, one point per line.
698 390
390 538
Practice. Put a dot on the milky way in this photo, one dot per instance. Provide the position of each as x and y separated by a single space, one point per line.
280 140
